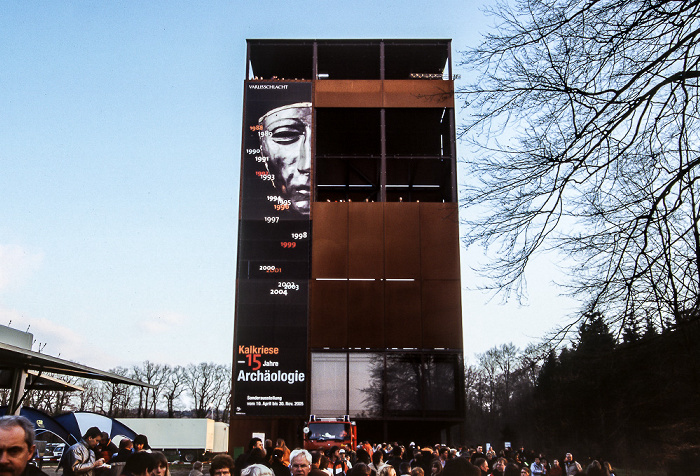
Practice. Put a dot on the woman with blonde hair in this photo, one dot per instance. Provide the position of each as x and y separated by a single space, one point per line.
285 451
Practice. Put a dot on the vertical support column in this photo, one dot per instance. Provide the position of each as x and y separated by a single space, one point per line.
449 59
382 126
314 77
19 379
347 383
382 165
381 60
247 60
314 188
453 158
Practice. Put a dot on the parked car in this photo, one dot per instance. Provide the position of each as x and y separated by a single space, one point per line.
53 452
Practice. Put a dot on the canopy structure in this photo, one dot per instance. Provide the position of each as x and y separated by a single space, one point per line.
45 424
22 370
38 382
77 424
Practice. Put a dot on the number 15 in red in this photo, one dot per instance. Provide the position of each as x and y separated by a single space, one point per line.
254 361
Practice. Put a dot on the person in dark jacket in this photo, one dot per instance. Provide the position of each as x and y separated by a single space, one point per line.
106 448
126 449
251 456
277 465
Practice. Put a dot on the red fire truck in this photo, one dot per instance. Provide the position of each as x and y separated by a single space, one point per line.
322 433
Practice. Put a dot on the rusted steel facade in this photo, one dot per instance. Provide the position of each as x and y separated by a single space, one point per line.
384 335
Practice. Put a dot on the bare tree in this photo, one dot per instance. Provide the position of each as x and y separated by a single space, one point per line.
221 404
87 400
506 358
154 374
50 401
63 401
208 385
474 387
204 383
173 387
38 399
499 389
498 366
222 400
116 398
586 114
489 372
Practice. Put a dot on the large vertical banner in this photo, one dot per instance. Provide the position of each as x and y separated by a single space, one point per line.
273 251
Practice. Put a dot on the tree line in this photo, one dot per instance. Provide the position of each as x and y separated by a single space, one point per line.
629 398
195 390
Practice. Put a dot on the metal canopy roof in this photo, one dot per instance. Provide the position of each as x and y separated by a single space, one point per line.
36 381
17 358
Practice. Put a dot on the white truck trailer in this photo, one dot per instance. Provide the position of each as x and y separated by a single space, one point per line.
184 439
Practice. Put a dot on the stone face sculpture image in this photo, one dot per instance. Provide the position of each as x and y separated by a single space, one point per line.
286 141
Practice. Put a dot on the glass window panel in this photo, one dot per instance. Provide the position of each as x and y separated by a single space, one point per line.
328 383
403 378
366 385
439 383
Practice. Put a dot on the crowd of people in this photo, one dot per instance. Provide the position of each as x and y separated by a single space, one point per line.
95 454
396 460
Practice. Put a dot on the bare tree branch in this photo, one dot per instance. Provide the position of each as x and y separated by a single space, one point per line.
586 114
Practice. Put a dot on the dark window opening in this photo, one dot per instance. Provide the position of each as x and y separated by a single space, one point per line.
415 60
418 180
284 60
348 60
418 155
419 158
347 179
418 132
348 155
348 132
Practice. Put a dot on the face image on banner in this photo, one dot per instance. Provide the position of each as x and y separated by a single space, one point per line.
277 161
286 142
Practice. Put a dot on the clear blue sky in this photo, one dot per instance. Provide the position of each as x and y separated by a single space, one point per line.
119 156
